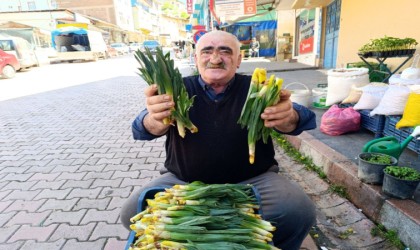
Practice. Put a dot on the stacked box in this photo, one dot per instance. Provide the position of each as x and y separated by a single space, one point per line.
374 123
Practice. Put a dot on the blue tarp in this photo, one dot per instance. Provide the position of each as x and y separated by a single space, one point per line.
67 31
264 31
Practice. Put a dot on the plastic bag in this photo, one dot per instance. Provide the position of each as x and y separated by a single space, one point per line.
337 121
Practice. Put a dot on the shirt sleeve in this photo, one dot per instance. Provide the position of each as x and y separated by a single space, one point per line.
139 131
307 120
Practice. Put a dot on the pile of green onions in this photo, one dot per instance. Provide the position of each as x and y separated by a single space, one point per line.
261 94
160 69
199 216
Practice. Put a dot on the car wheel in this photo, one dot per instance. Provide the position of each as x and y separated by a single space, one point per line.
8 72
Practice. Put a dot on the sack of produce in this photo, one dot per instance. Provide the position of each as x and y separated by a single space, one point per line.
337 121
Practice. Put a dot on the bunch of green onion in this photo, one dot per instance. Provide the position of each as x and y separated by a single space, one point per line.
199 216
261 94
160 70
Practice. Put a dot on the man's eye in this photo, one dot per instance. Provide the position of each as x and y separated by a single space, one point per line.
225 52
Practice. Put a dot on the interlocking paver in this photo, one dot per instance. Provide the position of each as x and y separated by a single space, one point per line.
98 175
92 203
143 166
12 246
91 245
84 193
103 229
4 205
127 174
113 244
7 232
70 217
115 167
14 185
49 193
19 169
64 169
65 205
116 202
43 176
94 215
79 232
17 177
110 161
5 217
39 169
115 192
48 184
31 218
90 166
106 183
79 184
27 232
24 205
33 245
21 195
71 176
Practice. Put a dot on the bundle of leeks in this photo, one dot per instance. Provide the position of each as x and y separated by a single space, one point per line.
200 216
160 70
261 94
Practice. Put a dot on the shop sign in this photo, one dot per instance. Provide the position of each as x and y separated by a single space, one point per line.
306 45
228 8
189 6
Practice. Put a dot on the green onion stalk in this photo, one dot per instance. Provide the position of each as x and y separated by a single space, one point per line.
230 221
160 69
261 94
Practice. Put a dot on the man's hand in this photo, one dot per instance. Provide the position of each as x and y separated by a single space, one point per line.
159 107
281 116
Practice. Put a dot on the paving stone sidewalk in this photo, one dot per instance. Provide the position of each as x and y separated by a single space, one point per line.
68 160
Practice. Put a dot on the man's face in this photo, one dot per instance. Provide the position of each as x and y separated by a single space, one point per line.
217 58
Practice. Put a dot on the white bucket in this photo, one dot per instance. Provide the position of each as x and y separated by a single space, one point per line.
319 96
300 96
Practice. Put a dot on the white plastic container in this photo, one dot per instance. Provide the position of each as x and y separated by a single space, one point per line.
300 96
319 97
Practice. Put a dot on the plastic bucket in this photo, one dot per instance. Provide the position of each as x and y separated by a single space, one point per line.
300 96
319 96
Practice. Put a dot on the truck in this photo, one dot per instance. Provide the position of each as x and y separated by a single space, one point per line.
75 43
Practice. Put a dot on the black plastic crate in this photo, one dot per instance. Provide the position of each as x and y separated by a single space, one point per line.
400 134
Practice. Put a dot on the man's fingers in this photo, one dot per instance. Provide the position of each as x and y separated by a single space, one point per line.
151 90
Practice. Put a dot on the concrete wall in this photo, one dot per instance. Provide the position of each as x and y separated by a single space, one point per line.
363 20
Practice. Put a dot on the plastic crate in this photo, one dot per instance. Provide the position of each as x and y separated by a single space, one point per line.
400 134
149 193
374 123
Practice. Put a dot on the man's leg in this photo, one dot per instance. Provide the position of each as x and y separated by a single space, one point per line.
285 204
129 208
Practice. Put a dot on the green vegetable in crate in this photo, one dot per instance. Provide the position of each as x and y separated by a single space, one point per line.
260 96
161 71
201 216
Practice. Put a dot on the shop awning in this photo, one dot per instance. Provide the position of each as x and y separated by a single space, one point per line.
310 4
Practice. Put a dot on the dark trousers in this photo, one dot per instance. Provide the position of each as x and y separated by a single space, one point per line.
283 202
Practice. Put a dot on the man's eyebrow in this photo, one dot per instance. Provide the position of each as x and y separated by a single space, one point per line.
218 48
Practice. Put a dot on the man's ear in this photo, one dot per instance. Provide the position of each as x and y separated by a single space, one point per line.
239 60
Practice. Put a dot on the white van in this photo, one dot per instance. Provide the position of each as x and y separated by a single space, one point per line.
20 48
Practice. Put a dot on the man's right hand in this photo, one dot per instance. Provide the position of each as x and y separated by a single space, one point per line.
158 107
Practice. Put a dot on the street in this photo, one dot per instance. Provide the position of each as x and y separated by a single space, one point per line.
61 75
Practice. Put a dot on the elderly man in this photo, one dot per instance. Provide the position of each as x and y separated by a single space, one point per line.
218 153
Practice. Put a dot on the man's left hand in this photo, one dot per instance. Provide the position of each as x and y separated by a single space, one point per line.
281 116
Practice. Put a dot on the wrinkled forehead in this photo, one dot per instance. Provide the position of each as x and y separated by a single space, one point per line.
216 40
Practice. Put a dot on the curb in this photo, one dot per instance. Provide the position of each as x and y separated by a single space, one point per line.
399 215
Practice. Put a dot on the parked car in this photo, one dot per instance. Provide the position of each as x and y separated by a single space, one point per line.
20 48
121 48
135 46
9 64
152 45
